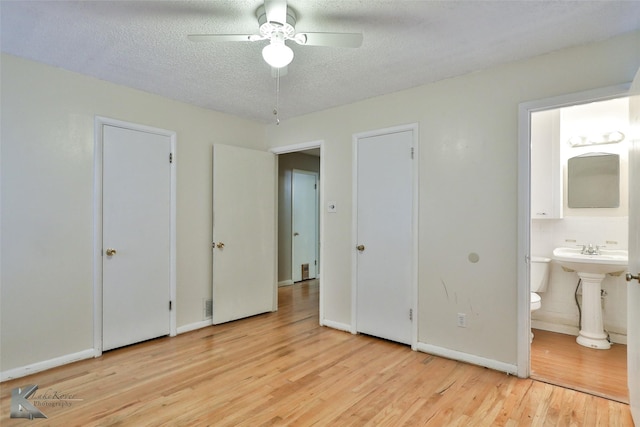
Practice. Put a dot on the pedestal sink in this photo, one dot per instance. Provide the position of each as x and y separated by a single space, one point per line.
592 268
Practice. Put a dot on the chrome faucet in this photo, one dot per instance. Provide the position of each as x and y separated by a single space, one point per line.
590 250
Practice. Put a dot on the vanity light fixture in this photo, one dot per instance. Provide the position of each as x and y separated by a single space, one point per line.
605 138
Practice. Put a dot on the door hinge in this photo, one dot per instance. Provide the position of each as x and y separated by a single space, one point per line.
315 186
170 157
315 262
411 314
170 305
412 152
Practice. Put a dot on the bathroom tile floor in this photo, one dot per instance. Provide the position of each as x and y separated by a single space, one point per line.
557 359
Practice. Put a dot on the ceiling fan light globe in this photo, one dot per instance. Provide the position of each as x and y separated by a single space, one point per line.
277 55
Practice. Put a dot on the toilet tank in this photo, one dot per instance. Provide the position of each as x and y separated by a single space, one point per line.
539 273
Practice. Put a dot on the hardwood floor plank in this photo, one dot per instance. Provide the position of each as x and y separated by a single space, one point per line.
558 359
284 369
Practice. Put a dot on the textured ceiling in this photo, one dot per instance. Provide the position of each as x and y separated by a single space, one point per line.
143 45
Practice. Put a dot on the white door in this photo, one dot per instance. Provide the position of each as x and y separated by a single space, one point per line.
244 233
633 291
385 235
304 224
136 222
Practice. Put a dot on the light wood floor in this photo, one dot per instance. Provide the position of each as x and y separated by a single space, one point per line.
558 359
283 369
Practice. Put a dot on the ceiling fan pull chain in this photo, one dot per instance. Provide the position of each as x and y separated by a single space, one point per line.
275 110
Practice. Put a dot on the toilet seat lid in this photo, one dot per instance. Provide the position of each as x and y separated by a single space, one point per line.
535 297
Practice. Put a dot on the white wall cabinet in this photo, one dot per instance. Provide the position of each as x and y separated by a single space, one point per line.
546 170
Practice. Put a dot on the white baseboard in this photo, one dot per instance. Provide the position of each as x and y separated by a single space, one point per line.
552 317
615 337
336 325
193 326
554 327
285 283
468 358
23 371
618 338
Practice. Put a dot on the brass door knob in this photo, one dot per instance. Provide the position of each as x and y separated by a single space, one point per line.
360 248
631 277
219 245
110 252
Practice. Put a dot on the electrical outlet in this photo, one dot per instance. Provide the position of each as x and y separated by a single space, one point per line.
462 320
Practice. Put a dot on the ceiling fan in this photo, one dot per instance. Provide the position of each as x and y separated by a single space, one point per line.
277 23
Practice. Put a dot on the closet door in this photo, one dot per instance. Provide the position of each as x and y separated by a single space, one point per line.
385 235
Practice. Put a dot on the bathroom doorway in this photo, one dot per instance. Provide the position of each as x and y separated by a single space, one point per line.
586 128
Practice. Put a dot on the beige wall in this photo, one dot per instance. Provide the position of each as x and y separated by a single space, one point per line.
47 202
468 131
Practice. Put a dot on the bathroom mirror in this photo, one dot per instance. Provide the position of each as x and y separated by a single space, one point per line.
593 181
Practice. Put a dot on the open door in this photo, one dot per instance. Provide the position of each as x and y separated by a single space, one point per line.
633 291
244 233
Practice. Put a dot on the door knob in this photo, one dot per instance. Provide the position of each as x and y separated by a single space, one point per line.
360 248
631 277
110 252
219 245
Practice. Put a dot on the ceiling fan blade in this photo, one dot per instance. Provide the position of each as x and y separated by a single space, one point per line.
329 39
276 11
223 37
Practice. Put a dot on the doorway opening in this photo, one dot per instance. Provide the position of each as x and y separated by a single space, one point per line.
561 132
299 217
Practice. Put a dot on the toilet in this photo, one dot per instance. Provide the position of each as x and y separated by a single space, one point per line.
539 281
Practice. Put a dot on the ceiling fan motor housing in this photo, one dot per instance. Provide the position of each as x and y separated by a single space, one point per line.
267 29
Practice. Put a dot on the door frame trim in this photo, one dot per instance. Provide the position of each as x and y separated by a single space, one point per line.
99 123
525 109
414 128
302 146
317 237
